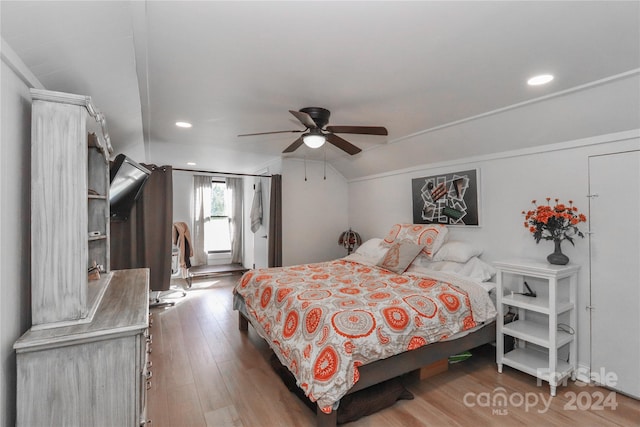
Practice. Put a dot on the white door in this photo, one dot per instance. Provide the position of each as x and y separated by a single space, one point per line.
614 207
260 237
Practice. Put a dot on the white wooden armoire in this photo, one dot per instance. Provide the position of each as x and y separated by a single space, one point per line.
84 361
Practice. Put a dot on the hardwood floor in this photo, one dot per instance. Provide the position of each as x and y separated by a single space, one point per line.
207 373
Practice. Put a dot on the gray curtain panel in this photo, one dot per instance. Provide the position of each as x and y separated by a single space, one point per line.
144 240
275 222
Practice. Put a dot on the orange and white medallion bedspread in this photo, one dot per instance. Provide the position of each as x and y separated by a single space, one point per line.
326 319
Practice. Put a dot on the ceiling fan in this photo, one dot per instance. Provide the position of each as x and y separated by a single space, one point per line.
314 119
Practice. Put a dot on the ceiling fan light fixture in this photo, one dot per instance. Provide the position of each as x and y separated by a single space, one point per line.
313 139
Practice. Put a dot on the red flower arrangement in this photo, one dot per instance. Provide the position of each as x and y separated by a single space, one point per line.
559 222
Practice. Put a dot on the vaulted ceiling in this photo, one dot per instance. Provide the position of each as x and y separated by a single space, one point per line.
237 67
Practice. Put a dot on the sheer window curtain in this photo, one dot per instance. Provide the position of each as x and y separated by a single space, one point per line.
201 195
235 185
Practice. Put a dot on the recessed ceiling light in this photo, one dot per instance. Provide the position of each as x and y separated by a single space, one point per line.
183 124
191 163
540 80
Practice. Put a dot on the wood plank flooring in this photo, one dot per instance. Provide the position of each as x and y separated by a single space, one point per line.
207 373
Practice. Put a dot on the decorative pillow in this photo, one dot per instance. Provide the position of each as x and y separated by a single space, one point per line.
399 256
457 251
431 236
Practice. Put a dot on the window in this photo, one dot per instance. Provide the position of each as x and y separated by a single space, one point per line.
217 234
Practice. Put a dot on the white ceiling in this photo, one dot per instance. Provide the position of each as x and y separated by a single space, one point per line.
238 67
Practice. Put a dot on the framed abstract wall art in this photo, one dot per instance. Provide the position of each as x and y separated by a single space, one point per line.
449 198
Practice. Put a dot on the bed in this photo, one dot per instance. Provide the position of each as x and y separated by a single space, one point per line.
390 308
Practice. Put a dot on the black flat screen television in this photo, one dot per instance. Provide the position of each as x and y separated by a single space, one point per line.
127 181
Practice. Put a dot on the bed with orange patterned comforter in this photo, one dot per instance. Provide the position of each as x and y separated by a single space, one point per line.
324 320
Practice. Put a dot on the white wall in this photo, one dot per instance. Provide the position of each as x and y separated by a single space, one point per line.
182 197
15 214
508 182
314 212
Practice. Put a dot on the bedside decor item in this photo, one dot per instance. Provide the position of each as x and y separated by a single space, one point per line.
557 223
349 240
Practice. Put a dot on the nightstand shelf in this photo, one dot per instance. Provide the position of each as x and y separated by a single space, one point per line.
537 329
539 304
535 333
534 362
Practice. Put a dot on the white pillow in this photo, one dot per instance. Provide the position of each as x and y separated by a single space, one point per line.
478 270
475 268
372 248
457 251
370 252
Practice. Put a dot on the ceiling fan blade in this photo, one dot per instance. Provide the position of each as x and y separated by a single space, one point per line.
293 147
267 133
342 144
304 118
363 130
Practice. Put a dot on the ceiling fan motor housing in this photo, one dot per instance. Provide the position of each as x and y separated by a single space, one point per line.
319 115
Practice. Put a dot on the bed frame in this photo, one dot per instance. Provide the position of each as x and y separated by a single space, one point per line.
403 363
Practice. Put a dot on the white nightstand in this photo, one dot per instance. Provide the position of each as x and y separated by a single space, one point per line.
545 323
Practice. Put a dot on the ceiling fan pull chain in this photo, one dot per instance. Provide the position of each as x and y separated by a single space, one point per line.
324 151
305 168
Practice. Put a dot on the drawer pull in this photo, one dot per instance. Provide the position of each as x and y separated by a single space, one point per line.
148 375
148 385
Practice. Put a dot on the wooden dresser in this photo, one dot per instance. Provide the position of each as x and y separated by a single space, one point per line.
91 374
83 362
